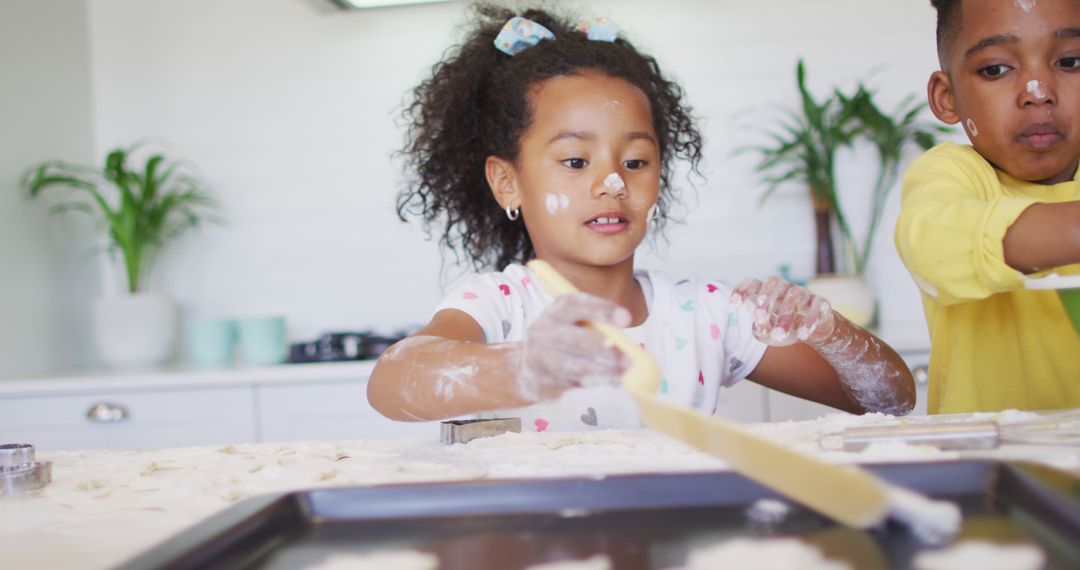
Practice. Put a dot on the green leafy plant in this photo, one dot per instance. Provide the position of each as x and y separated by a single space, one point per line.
140 209
803 149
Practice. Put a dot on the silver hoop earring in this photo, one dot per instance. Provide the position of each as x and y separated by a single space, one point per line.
513 214
654 213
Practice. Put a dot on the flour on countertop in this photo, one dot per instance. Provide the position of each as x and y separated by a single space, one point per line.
768 511
981 555
932 521
598 562
762 554
380 560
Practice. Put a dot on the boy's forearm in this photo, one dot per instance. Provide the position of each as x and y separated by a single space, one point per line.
871 372
1045 236
424 378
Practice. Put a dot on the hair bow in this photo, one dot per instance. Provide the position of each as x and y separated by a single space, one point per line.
519 34
598 29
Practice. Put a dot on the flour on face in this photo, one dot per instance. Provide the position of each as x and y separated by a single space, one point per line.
615 183
1035 88
971 128
556 203
1026 5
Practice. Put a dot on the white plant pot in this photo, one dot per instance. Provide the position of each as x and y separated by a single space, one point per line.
849 295
134 331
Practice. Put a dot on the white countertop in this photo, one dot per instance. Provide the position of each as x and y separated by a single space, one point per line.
104 507
185 377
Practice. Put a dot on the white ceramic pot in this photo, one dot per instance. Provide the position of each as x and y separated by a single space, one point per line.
849 295
134 331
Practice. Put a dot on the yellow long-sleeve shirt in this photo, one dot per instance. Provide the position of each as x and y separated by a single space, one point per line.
994 345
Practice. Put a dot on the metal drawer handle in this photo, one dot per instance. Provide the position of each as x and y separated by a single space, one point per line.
107 412
921 374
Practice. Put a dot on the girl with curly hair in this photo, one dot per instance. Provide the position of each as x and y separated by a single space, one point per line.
541 138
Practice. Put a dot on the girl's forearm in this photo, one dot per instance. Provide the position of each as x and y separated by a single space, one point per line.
871 372
423 378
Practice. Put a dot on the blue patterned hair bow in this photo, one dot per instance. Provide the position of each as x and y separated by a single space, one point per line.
598 29
519 34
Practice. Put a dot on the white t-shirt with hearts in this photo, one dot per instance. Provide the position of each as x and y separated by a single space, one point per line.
701 342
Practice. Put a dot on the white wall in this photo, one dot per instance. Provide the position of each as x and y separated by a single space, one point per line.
289 108
46 277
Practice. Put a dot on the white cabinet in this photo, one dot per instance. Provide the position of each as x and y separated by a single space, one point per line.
196 407
327 411
129 419
743 403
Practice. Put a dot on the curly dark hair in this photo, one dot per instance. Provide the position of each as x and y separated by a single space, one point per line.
949 24
475 105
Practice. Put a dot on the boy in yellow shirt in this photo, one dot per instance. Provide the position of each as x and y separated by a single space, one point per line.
977 220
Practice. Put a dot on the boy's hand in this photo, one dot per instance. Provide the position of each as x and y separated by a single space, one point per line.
785 313
558 353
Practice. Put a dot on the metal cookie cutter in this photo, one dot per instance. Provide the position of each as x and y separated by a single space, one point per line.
19 471
464 431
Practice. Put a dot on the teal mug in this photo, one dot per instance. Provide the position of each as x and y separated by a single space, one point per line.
262 340
211 341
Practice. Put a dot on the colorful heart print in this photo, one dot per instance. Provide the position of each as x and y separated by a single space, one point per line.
541 424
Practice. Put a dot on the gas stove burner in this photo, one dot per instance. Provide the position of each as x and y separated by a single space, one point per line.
341 346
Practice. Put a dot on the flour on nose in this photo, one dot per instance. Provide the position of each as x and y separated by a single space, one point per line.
1035 88
614 182
1026 5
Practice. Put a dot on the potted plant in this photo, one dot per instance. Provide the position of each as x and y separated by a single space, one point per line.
140 209
804 149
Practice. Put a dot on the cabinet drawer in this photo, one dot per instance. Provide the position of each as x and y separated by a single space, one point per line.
328 411
130 419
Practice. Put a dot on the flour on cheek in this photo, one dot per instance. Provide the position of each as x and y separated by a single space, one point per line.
555 203
971 128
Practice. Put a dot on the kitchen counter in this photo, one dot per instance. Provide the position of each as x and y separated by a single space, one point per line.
183 377
105 506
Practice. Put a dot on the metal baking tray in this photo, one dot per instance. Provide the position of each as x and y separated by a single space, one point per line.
638 521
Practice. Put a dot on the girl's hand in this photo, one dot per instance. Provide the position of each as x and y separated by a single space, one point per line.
559 353
785 313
